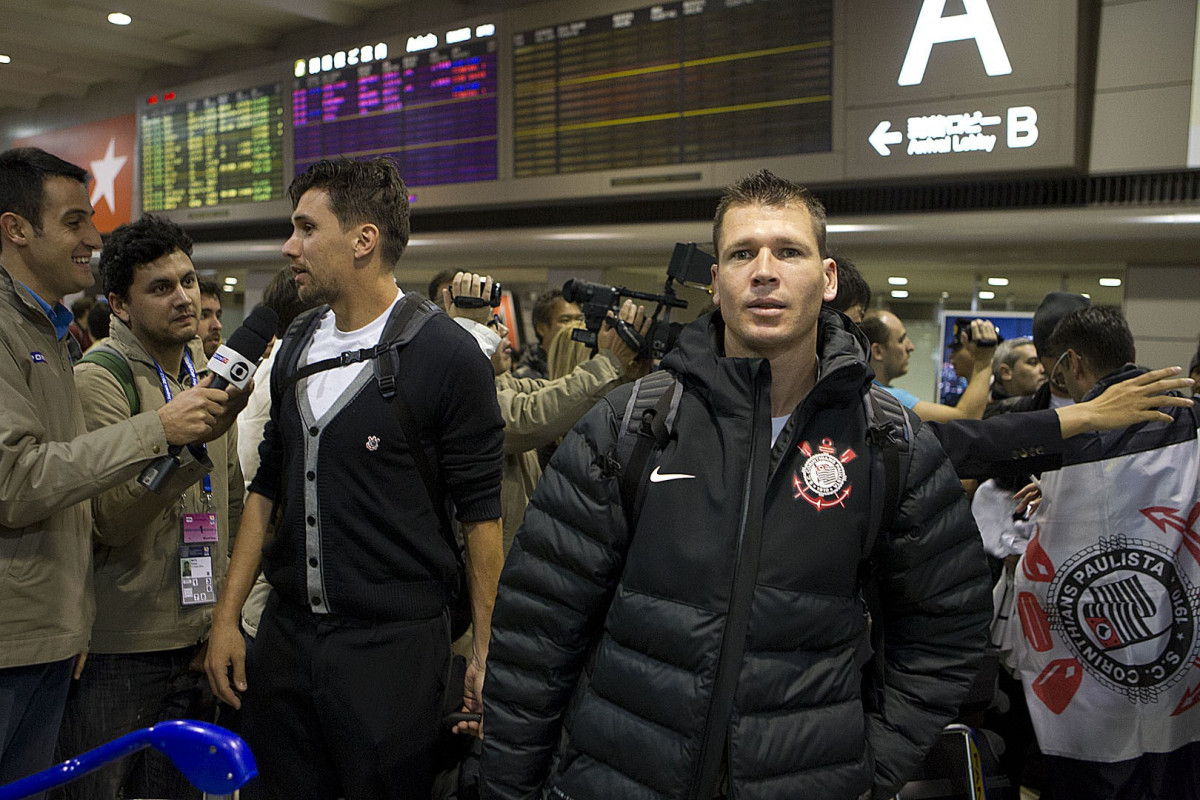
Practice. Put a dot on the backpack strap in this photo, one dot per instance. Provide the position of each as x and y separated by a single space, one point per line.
116 364
889 431
645 430
297 334
890 435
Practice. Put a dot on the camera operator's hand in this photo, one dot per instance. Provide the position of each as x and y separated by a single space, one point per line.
609 339
982 341
469 284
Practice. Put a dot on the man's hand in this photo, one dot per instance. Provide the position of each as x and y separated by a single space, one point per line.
981 344
1126 403
238 398
608 338
1028 500
473 696
469 284
197 414
226 653
80 660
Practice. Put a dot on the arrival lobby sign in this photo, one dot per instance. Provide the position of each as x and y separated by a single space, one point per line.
947 87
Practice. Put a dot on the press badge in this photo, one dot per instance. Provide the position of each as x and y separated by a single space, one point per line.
199 528
196 575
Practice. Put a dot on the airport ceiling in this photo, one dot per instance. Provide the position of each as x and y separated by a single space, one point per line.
61 49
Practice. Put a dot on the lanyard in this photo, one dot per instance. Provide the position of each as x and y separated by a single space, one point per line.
168 394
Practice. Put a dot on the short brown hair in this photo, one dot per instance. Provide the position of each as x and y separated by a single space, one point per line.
362 192
764 188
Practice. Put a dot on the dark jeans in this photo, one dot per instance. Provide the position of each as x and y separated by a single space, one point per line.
336 707
118 694
31 708
1153 776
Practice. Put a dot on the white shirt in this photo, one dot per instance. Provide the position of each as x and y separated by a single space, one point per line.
324 388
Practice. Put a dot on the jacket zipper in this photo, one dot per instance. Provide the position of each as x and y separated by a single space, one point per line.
737 620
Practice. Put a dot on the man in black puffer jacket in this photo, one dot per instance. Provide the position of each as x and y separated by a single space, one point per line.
717 650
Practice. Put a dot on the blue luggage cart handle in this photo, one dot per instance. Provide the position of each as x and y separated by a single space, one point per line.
213 759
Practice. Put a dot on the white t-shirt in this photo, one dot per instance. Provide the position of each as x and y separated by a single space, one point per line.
324 388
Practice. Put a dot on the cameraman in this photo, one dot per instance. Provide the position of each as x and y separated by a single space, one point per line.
538 411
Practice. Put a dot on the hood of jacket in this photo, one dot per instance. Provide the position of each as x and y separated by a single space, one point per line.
700 362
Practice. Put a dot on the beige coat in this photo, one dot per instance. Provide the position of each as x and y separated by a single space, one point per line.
49 467
537 412
137 532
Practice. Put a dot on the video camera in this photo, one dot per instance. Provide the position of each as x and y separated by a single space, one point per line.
962 327
689 265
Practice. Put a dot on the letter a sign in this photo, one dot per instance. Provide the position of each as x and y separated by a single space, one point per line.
932 28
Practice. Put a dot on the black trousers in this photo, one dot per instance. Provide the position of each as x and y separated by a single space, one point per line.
343 708
1153 776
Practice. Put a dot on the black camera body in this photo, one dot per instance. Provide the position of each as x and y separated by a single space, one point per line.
493 300
688 264
962 325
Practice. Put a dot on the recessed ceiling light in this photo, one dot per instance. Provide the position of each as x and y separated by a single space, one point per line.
117 18
1110 281
229 287
898 281
230 281
986 295
900 293
997 281
5 60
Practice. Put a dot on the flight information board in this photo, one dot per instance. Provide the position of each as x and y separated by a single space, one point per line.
698 80
214 151
434 112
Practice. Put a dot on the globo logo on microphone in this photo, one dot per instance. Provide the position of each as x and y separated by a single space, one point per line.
236 361
232 366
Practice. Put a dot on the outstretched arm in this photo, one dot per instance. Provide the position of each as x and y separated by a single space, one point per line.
1035 441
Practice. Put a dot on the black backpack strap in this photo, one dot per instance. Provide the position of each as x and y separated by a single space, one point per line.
408 318
297 335
645 430
115 363
401 327
890 435
890 431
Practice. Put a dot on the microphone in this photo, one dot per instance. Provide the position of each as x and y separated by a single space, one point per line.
236 361
234 364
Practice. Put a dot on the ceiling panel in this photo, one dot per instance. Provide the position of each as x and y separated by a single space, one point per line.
72 44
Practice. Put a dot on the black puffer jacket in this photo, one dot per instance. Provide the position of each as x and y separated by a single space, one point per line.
725 630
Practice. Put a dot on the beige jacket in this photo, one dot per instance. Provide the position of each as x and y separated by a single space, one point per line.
537 412
137 532
49 467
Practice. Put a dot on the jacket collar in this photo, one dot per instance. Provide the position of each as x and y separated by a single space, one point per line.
843 374
21 298
123 336
1122 373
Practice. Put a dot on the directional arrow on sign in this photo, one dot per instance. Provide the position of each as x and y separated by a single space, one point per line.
882 136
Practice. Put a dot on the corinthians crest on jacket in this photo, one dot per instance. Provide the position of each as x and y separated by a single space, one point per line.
822 479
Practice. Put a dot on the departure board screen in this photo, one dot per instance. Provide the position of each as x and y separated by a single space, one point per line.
691 81
434 112
214 151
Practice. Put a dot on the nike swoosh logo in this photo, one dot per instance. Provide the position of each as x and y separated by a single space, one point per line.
661 477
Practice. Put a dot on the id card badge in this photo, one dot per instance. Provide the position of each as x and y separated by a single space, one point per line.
199 528
196 575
